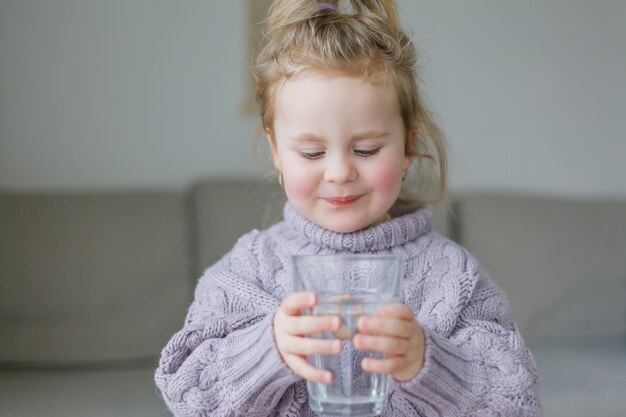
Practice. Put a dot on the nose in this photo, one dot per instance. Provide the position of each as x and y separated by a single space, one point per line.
340 169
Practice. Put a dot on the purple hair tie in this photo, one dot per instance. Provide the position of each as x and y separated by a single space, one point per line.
328 6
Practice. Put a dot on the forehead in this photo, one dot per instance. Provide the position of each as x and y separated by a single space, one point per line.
333 79
315 97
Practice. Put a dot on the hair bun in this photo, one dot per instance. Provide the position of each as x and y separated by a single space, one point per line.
287 12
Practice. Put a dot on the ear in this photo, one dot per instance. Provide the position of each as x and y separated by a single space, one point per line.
408 157
271 141
406 163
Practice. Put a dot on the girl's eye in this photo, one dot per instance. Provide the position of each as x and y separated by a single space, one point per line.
366 152
311 155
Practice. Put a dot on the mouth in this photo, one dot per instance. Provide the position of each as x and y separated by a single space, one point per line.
342 201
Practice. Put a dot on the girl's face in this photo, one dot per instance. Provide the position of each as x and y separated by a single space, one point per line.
339 143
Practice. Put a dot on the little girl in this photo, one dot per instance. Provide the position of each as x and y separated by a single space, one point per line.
346 125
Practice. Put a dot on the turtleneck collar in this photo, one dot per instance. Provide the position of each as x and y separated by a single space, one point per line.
380 237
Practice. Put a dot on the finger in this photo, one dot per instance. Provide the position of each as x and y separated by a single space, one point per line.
398 311
293 303
382 366
308 346
305 325
307 371
382 344
384 326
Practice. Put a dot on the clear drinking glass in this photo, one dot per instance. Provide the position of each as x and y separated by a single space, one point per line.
348 286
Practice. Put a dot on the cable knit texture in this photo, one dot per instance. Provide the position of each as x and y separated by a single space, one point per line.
224 361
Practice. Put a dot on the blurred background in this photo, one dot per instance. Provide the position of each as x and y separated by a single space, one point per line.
128 94
124 122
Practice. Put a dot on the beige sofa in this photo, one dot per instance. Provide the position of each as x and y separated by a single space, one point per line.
93 284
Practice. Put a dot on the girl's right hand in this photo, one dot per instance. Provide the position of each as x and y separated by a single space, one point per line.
290 329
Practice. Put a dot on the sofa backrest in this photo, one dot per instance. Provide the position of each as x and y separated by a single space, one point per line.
91 277
223 210
562 262
109 276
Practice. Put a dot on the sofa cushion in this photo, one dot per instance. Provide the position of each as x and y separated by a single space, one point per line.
81 393
89 277
562 262
582 381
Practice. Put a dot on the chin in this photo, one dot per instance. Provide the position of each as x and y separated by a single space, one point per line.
344 221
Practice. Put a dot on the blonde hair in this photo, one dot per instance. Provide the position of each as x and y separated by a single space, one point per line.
365 40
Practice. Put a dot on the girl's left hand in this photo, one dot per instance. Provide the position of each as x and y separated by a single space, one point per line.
394 332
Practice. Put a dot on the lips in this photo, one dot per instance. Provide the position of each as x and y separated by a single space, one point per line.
342 201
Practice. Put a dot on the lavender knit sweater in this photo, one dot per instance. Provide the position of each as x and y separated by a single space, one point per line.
224 362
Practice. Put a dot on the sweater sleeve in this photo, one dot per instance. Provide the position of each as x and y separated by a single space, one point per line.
224 360
476 363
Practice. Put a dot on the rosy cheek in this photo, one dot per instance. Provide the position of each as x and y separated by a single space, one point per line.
387 177
299 184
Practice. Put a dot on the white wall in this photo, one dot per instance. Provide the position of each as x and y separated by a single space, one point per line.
148 93
532 94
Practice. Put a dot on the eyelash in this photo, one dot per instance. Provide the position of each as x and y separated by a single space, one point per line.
359 152
311 155
366 152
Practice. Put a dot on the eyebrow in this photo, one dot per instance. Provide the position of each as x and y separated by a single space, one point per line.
308 137
366 134
370 134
